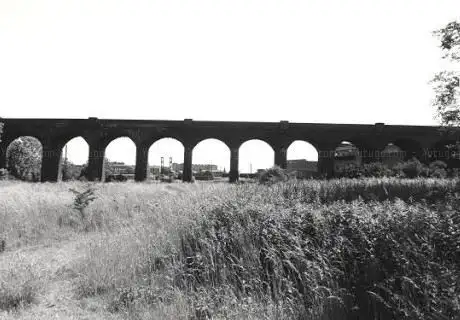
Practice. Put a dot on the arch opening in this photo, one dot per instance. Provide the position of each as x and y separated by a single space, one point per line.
409 149
210 160
392 155
24 158
166 158
255 155
74 159
120 160
302 158
346 156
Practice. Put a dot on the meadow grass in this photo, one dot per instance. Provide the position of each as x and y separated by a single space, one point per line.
339 249
19 283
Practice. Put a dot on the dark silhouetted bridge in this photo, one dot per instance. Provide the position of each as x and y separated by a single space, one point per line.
425 142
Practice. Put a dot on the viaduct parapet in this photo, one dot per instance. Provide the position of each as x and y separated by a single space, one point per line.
427 143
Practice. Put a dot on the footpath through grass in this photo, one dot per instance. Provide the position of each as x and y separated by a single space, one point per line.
341 249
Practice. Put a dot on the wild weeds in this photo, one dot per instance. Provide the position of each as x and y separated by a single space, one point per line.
82 200
374 260
327 250
19 284
302 250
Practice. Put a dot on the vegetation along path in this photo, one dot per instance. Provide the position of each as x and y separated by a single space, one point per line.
339 249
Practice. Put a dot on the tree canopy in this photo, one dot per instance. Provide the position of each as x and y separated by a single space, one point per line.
446 83
450 40
24 158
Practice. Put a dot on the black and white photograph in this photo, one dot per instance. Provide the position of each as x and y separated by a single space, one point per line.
230 159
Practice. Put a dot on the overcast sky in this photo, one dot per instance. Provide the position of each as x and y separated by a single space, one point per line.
354 61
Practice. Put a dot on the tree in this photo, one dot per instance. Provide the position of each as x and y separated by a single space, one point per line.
24 158
446 83
450 40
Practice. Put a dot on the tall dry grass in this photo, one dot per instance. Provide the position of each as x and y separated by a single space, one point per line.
30 213
341 249
19 283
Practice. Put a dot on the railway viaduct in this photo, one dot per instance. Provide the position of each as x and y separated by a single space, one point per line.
427 143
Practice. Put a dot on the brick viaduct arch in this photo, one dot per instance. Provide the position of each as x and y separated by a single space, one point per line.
418 141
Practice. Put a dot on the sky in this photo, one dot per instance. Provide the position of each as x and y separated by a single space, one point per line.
336 61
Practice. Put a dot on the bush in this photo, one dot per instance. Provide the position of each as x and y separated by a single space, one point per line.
412 168
438 169
205 175
350 171
377 170
373 169
274 174
116 178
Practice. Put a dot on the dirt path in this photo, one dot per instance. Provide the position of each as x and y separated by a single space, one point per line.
56 298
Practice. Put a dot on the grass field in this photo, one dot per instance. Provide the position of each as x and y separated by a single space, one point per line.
340 249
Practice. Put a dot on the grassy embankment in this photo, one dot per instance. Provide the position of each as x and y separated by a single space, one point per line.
345 249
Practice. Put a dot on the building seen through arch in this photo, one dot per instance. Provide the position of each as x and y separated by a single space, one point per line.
392 155
302 159
346 155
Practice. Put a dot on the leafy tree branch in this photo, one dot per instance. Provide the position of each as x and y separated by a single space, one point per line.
446 83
